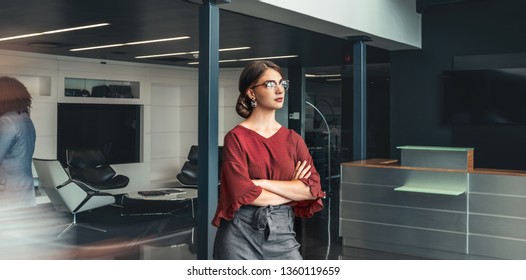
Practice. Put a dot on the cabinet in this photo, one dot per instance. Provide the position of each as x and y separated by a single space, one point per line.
100 88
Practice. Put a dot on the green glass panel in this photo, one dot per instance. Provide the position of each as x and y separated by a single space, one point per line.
434 148
433 190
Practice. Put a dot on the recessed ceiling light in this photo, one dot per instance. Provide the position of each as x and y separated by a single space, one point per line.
47 45
130 43
54 31
191 52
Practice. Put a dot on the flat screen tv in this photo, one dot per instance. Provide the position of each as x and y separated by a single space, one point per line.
493 96
115 129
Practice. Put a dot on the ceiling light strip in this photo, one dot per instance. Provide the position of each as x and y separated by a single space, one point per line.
250 59
130 43
158 40
97 47
192 52
322 75
167 54
268 57
54 31
76 28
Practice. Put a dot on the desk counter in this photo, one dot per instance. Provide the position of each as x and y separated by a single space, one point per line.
443 213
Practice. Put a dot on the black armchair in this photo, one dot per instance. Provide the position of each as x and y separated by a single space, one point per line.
91 167
189 172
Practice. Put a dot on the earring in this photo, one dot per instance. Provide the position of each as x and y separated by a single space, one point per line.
253 103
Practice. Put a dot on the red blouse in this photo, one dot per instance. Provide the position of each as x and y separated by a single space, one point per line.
248 155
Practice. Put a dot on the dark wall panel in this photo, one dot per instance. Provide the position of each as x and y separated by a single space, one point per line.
470 28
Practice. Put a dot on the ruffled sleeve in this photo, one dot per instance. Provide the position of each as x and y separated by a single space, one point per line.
307 208
236 188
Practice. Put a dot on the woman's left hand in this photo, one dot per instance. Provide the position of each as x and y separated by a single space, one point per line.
301 171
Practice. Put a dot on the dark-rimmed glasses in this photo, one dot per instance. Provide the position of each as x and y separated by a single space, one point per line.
272 85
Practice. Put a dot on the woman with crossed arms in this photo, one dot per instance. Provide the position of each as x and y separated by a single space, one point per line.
267 177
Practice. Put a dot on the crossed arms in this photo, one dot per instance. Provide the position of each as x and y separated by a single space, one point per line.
281 192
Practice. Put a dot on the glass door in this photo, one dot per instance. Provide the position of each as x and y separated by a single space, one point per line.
323 122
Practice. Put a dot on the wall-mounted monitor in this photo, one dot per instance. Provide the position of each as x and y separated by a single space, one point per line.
115 129
493 96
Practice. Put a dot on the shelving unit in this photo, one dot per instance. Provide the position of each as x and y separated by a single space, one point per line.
106 88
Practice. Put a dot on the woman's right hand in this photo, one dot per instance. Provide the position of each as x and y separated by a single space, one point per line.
301 171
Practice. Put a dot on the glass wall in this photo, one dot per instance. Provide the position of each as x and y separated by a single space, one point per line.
323 122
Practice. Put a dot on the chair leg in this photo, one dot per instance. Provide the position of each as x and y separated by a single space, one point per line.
67 229
75 224
90 227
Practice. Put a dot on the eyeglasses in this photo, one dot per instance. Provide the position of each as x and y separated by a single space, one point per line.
272 85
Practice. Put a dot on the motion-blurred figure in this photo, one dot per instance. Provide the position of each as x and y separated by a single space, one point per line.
26 231
17 144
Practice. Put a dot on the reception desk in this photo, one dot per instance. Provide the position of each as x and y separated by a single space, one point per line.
434 204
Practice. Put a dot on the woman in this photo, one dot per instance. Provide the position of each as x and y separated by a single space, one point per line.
17 144
267 176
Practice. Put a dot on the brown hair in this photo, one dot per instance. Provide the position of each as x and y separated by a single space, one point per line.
247 79
14 96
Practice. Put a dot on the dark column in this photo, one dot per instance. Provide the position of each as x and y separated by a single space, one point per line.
359 99
347 114
296 98
208 127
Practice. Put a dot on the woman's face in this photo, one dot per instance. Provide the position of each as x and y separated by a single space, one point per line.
268 90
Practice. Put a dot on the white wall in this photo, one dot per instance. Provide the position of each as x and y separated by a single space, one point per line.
169 96
177 102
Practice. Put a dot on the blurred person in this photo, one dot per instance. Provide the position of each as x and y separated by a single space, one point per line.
26 231
17 144
267 176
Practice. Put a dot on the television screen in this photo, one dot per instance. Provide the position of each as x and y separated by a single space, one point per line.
494 96
115 129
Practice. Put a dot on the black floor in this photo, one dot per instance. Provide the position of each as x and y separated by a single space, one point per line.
131 236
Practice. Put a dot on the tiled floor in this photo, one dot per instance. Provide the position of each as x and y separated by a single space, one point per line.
173 237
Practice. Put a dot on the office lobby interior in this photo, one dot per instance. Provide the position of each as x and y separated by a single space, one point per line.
411 111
